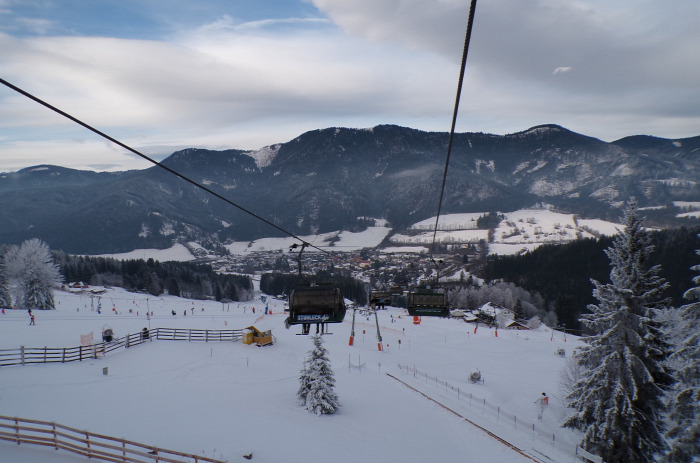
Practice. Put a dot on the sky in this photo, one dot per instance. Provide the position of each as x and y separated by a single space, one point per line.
218 74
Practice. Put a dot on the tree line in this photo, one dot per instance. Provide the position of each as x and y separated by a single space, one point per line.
524 304
30 272
184 279
283 283
562 273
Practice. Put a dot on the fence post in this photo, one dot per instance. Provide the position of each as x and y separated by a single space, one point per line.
206 335
63 359
87 438
21 348
17 431
45 354
124 450
127 340
55 438
80 355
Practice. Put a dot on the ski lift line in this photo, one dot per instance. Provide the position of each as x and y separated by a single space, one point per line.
152 161
467 38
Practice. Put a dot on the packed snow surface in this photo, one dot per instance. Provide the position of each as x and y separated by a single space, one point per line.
178 252
338 240
228 399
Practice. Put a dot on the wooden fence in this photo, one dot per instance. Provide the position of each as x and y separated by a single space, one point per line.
175 334
91 445
30 355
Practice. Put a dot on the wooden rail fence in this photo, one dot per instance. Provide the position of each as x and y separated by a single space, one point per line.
30 355
91 445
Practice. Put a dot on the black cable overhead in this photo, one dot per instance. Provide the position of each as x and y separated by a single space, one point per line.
153 161
467 38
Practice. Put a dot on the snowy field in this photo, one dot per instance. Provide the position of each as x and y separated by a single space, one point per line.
225 400
520 231
177 252
344 241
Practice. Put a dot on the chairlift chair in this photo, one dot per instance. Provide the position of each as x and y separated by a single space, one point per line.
315 304
426 302
379 299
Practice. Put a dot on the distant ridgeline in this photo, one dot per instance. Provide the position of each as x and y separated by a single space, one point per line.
323 180
196 281
562 273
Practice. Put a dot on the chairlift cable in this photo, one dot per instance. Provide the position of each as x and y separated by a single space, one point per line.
153 161
465 51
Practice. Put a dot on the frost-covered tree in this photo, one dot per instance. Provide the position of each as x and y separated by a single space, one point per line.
618 402
5 298
32 274
684 432
317 381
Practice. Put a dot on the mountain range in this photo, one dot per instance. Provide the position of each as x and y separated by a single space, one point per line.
335 178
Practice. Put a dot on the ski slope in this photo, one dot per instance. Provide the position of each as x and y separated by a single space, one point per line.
225 400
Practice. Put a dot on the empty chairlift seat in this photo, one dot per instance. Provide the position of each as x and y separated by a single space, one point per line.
428 303
316 304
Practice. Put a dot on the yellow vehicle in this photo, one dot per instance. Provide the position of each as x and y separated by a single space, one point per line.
260 338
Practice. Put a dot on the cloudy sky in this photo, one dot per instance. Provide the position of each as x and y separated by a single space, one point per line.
164 75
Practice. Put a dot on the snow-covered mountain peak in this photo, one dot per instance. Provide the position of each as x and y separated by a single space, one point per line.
264 156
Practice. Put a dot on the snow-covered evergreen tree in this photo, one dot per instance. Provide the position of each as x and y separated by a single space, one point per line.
317 382
619 400
5 298
33 274
684 434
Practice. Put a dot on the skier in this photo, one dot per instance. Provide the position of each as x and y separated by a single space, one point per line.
31 322
542 403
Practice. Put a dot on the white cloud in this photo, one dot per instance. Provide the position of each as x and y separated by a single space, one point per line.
239 84
562 69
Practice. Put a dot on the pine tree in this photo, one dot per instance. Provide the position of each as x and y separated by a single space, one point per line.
684 434
317 382
618 402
